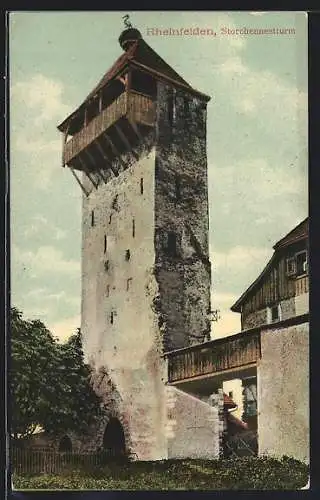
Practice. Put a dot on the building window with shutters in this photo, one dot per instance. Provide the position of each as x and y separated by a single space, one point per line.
301 263
274 314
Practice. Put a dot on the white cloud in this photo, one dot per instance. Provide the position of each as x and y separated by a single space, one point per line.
37 146
258 176
240 258
36 108
38 224
263 91
43 96
46 259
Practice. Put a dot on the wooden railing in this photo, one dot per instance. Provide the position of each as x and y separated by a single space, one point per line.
215 356
140 108
302 285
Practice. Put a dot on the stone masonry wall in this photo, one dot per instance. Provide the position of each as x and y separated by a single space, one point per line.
181 207
193 427
283 392
120 327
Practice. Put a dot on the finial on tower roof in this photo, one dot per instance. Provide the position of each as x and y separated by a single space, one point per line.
130 35
126 21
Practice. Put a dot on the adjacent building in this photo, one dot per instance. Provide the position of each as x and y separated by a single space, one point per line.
276 400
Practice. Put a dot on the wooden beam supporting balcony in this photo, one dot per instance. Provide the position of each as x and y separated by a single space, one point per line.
79 182
96 142
126 142
87 172
135 128
114 149
92 160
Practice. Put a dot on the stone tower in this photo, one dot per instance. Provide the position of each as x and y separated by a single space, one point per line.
137 148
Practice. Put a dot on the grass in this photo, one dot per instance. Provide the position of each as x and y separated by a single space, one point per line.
187 474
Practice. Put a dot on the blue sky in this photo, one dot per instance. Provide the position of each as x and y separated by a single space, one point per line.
256 135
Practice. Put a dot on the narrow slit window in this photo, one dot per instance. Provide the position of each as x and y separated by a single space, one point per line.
141 185
106 265
177 188
92 217
133 228
129 282
107 290
186 106
171 108
112 317
172 244
110 218
105 243
127 255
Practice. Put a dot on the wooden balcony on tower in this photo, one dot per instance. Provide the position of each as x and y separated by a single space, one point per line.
136 108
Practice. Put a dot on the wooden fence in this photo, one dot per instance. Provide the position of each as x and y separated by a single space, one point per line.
43 461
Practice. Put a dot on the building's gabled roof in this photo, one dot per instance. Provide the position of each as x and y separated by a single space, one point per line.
300 232
141 55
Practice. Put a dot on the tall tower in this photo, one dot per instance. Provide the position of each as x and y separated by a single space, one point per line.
137 147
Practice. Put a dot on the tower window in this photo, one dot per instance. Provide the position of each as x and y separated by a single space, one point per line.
127 255
133 228
110 218
92 217
141 185
105 243
186 105
172 244
106 265
112 315
171 108
177 188
129 282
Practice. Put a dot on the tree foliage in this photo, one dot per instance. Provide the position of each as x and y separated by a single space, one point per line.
49 381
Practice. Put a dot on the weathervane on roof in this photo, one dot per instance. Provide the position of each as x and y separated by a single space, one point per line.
127 21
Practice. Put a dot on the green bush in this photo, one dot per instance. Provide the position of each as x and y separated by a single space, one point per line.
239 474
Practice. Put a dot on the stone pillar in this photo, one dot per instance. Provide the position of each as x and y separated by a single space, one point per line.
216 400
